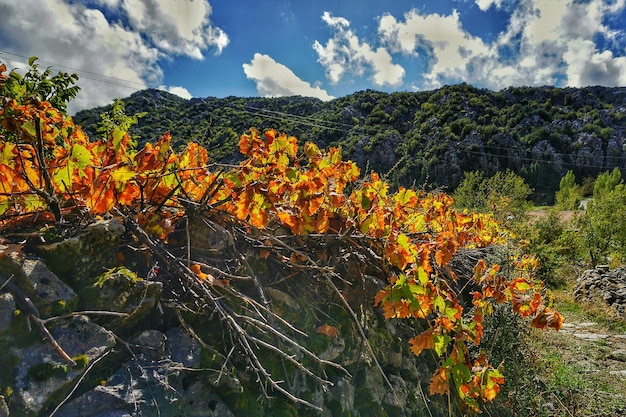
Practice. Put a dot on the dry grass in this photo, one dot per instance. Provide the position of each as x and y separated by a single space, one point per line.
573 375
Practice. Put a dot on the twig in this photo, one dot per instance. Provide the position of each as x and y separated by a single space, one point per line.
82 313
362 333
33 314
82 377
177 268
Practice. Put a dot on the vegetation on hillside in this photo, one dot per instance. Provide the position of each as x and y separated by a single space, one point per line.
429 137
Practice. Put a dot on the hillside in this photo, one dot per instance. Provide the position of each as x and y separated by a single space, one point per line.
429 137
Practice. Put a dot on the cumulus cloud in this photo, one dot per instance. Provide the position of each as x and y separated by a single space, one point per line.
559 39
181 27
586 66
450 47
345 53
274 79
177 90
115 57
545 42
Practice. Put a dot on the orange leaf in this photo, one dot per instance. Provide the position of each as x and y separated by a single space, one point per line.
421 342
327 330
439 383
195 268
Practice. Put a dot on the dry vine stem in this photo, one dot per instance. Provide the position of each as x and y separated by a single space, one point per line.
266 323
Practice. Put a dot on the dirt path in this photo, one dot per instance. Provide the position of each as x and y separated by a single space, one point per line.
585 368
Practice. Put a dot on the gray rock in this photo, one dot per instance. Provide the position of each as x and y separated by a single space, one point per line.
343 392
397 397
121 291
47 292
208 239
336 348
45 289
90 252
604 286
202 403
138 388
151 344
590 336
42 374
183 348
7 309
618 355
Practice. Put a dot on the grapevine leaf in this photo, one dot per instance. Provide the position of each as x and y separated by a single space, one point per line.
421 342
439 383
440 343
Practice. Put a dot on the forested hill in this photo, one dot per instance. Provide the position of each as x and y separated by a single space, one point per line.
426 137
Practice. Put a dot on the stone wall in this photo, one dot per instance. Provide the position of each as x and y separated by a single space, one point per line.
131 353
603 286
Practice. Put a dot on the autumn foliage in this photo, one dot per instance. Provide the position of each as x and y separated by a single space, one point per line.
47 161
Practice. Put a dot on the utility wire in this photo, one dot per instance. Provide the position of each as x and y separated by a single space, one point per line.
103 78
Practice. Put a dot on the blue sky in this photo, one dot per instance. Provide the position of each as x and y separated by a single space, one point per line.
320 48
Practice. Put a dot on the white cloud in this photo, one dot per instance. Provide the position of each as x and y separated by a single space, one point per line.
450 47
559 38
274 79
586 66
182 27
114 58
177 90
345 53
545 42
484 5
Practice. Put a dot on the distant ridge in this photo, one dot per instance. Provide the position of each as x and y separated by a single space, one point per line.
429 137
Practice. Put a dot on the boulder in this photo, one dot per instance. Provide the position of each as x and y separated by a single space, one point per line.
31 275
122 291
85 256
183 348
7 310
143 387
42 376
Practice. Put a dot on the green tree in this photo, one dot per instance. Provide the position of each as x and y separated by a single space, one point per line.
569 195
602 229
505 195
607 182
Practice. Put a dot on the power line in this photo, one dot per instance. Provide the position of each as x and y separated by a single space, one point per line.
106 78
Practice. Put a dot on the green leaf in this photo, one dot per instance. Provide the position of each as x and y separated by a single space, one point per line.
62 176
5 203
366 203
440 303
365 224
81 155
440 342
422 276
122 175
450 312
460 374
118 134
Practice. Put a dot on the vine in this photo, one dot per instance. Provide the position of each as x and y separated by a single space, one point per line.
49 166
